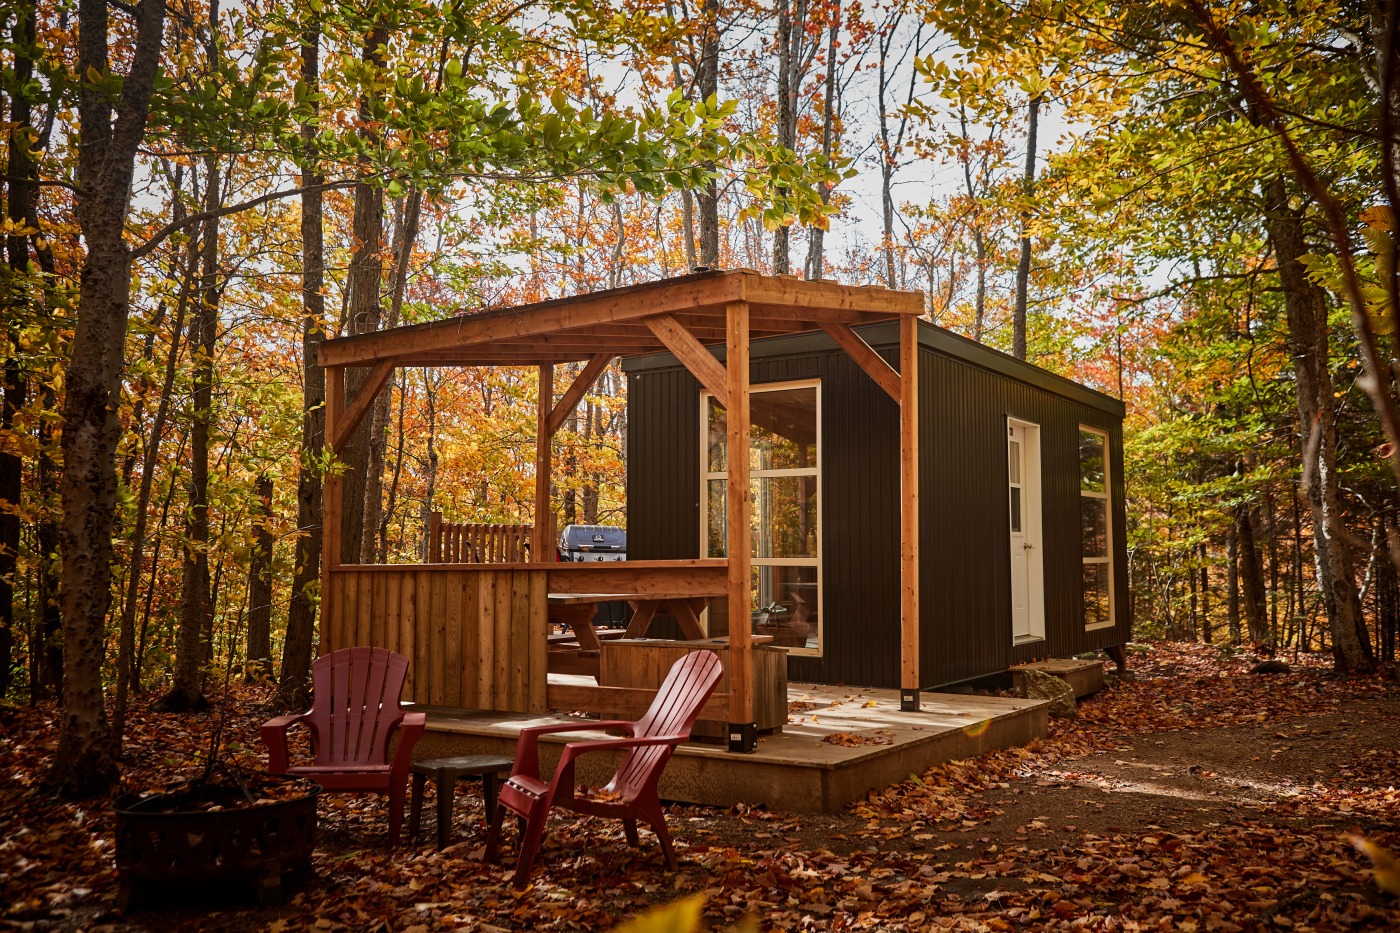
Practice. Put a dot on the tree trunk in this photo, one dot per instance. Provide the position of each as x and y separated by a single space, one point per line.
292 687
816 240
707 199
1251 577
84 762
192 647
260 584
788 36
430 480
1232 582
1023 265
1306 309
22 189
364 280
128 660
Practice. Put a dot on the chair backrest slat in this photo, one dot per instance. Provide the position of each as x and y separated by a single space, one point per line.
355 704
677 705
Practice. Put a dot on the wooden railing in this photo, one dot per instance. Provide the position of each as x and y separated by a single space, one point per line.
479 542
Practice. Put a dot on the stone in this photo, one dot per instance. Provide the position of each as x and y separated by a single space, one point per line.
1039 685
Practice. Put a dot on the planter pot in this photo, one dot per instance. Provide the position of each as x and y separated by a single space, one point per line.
208 837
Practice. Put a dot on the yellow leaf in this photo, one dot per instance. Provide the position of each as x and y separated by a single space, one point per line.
1378 217
677 917
1387 866
1195 878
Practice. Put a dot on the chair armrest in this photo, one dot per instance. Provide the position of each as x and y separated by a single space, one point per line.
274 736
563 781
410 731
527 756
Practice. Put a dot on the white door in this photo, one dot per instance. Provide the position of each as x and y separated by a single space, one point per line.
1023 509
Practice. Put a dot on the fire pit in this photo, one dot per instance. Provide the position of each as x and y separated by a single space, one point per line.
215 835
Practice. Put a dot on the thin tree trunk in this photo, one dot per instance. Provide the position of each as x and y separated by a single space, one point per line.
127 660
1023 264
1306 309
292 688
196 599
1251 577
430 480
391 503
364 280
1232 582
816 240
707 77
786 129
260 584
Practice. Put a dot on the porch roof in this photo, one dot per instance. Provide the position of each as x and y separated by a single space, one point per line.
624 321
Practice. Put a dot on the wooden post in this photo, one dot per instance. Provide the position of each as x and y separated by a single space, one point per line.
539 532
909 512
332 494
743 733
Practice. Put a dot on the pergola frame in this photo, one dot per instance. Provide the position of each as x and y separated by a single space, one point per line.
684 316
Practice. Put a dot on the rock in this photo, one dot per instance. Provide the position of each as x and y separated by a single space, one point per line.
1039 685
1271 666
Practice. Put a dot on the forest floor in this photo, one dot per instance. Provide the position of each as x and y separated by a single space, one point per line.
1197 797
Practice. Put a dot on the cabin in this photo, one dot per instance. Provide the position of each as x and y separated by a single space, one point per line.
869 537
1021 528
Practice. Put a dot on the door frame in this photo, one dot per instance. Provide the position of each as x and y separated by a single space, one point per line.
1032 495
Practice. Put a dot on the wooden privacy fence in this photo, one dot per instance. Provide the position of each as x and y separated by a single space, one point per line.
475 637
477 542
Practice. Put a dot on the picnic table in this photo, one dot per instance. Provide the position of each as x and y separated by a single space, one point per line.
576 610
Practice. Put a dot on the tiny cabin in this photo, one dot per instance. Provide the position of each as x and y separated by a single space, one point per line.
1021 529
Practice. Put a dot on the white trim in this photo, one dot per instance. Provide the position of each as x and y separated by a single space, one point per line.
708 476
1032 524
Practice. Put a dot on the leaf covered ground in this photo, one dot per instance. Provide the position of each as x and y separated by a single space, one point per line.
1198 797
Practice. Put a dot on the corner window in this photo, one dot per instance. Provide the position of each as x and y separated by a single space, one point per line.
1095 528
785 518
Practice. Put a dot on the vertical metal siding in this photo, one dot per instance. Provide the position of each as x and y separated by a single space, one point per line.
965 561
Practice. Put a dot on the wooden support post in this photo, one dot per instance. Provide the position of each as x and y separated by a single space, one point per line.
332 494
575 393
866 358
743 733
539 532
909 512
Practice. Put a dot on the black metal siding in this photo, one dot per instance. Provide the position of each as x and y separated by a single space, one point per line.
966 395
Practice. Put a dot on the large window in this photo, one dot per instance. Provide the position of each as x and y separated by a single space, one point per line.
1096 525
785 516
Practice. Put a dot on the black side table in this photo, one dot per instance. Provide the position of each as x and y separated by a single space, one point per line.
446 772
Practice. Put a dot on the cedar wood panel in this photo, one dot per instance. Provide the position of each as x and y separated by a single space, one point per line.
966 394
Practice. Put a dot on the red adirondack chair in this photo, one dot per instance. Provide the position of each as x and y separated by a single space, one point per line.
631 794
354 713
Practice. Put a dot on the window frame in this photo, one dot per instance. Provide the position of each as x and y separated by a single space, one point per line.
1107 560
707 476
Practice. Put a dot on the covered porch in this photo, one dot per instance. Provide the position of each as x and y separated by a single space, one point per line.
476 633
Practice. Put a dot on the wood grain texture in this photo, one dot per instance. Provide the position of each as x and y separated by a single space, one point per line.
740 667
909 502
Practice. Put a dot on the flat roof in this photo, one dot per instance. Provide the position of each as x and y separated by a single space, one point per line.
624 321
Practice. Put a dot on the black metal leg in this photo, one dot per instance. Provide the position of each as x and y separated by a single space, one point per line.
415 806
446 787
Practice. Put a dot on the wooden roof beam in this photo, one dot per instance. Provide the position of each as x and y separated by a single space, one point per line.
355 412
692 355
866 358
575 393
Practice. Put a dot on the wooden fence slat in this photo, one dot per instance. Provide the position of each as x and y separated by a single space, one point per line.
452 644
486 640
423 653
538 675
519 696
437 624
500 633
